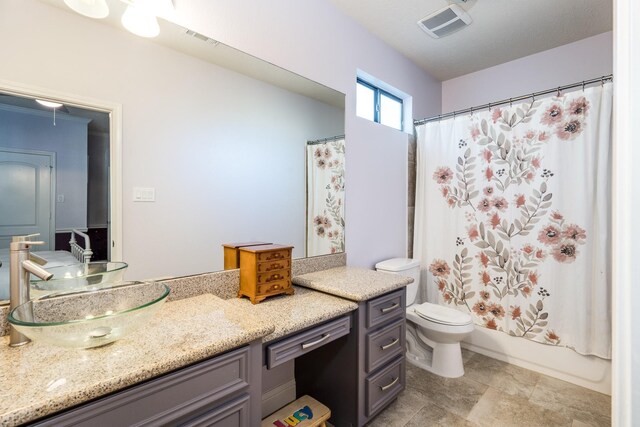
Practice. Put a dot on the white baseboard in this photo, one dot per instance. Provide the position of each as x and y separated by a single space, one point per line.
278 397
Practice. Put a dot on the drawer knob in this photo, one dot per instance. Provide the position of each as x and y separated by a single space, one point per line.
390 308
318 341
391 344
391 384
276 286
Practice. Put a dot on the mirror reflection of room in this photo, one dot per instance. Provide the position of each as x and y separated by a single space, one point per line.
213 140
54 181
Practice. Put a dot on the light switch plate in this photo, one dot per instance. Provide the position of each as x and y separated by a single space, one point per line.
144 194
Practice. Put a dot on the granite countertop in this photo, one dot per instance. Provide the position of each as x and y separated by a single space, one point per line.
293 313
38 380
355 284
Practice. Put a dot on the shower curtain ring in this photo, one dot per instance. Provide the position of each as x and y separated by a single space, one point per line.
602 80
471 111
510 102
583 83
558 92
489 107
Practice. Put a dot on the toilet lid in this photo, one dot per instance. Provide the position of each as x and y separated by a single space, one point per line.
440 314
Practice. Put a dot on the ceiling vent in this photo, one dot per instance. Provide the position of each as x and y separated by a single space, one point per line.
201 37
445 21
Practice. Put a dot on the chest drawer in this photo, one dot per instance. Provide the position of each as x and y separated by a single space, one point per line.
384 386
273 287
273 276
304 342
274 255
385 344
385 308
266 267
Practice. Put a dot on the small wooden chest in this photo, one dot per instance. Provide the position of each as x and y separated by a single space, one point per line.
232 253
265 271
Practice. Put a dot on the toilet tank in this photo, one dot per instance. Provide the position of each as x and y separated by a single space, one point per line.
405 267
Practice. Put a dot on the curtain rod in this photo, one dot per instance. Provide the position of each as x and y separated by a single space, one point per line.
557 90
320 141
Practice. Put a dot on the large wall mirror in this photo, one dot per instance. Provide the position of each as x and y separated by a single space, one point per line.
217 146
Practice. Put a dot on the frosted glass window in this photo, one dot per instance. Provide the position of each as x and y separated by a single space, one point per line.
390 111
378 105
365 102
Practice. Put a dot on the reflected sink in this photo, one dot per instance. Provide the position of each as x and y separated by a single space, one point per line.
92 318
79 277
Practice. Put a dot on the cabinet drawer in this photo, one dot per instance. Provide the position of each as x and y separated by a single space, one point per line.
273 287
274 255
385 308
384 386
273 276
304 342
385 344
166 400
265 267
232 414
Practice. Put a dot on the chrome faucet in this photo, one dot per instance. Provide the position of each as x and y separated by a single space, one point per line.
21 265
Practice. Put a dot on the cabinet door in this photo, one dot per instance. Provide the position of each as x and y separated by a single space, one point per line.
232 414
166 400
383 387
385 308
304 342
384 344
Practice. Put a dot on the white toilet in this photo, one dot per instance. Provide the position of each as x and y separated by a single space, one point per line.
434 332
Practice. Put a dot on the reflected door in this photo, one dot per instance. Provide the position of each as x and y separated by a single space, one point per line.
25 195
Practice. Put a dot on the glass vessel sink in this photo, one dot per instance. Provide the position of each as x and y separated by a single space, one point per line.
79 277
91 318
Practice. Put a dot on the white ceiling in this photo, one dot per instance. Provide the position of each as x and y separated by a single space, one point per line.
502 30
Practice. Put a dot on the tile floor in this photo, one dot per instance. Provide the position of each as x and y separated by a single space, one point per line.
493 393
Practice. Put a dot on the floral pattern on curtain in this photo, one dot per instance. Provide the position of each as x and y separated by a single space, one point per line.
526 194
325 198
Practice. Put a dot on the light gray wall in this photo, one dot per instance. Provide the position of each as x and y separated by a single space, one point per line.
34 130
574 62
311 38
314 39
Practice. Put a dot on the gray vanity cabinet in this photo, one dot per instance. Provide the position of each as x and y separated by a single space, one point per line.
223 391
362 373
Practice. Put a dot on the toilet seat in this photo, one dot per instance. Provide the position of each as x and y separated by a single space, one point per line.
442 315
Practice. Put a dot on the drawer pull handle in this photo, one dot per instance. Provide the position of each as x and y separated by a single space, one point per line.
391 344
318 341
388 386
388 309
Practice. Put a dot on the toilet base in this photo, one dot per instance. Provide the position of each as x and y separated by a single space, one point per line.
443 359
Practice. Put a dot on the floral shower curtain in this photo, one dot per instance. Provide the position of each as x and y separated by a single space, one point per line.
513 218
325 197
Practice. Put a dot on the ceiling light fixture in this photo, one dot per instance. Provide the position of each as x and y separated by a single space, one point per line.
140 21
52 105
49 104
97 9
